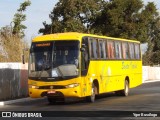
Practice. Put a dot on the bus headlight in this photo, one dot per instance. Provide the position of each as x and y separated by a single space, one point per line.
33 86
72 85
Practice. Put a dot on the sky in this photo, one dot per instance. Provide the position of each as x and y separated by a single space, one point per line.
36 14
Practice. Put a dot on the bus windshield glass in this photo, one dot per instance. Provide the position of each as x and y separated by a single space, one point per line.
56 59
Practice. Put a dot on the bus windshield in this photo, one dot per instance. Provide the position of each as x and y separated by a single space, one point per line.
56 59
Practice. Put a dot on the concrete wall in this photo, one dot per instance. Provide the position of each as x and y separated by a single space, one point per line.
151 73
13 80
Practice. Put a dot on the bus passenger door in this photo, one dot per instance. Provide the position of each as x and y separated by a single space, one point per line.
84 66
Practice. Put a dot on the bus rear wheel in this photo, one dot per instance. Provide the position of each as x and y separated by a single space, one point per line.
93 94
125 91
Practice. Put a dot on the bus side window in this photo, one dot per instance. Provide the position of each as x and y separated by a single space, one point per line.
91 48
106 49
137 51
110 47
118 50
131 51
102 51
94 48
125 49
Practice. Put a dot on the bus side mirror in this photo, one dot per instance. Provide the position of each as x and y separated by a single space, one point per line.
23 56
82 49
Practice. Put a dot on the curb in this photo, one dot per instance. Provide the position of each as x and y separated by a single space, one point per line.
2 103
150 81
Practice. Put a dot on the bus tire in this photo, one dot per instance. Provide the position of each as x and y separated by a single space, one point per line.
93 94
125 91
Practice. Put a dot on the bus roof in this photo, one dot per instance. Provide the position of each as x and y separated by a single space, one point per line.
74 36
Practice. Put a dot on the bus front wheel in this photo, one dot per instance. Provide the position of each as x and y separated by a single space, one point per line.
51 100
93 94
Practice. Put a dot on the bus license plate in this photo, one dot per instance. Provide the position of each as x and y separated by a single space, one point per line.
51 92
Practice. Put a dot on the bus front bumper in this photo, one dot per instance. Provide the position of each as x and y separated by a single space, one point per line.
57 93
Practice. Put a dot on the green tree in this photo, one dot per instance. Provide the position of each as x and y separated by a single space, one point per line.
150 13
72 15
122 18
11 46
11 39
129 19
19 17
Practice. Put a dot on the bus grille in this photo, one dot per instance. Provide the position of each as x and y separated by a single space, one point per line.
52 87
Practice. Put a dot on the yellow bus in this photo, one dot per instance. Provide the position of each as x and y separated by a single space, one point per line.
78 65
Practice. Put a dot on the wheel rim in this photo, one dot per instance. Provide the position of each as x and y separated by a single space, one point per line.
93 94
126 88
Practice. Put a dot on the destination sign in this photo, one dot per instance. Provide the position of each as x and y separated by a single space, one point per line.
43 44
